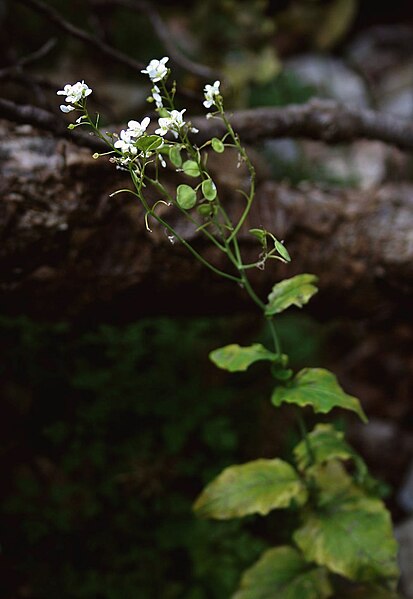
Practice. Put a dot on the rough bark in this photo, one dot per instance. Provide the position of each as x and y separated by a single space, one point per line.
69 251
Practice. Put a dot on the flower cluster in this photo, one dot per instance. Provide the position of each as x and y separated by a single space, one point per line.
174 123
129 136
156 69
211 94
74 95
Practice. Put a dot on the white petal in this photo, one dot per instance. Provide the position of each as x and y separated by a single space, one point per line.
65 108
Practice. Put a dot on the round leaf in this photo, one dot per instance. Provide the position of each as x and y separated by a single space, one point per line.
186 197
282 573
217 145
318 388
175 156
254 488
209 189
191 168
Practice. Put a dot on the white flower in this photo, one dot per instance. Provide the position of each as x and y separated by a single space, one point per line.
75 93
156 95
211 92
174 123
66 108
156 69
125 143
136 129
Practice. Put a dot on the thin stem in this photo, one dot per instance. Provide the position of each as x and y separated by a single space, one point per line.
276 341
168 227
163 190
250 169
304 435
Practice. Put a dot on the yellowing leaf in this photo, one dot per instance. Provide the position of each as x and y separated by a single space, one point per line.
253 488
351 536
282 573
296 291
235 358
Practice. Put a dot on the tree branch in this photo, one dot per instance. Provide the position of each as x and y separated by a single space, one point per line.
53 16
29 59
323 120
165 37
42 119
69 250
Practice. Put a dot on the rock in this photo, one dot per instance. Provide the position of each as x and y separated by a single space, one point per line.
330 77
405 495
404 535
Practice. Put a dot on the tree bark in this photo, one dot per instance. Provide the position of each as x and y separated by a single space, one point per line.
68 250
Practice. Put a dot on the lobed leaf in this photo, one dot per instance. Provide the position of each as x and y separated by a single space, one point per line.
295 291
253 488
318 388
235 358
282 573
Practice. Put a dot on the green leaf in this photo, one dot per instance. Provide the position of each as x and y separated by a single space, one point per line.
325 443
209 189
149 142
351 536
318 388
296 291
191 168
253 488
282 573
260 234
235 358
186 197
175 156
205 210
217 145
282 250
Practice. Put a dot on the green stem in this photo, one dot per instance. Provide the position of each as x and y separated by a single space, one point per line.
168 227
165 192
304 435
276 341
251 171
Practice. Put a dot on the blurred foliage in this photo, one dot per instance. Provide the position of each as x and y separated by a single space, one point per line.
108 436
244 39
